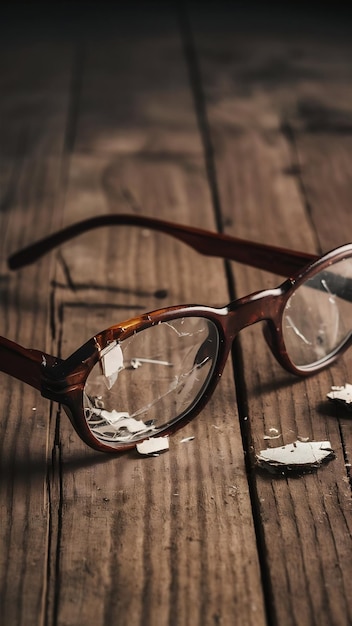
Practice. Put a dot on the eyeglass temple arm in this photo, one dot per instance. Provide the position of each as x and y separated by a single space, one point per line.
24 364
273 259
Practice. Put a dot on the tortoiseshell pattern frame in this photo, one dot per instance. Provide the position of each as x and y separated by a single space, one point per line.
64 380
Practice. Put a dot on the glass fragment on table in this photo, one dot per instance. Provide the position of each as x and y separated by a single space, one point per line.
342 394
300 456
153 446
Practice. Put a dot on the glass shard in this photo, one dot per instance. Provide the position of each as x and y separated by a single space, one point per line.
153 447
300 456
342 394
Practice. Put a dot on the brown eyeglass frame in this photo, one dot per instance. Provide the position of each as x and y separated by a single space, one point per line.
63 380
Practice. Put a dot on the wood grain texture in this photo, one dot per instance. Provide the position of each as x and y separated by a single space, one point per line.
172 549
276 183
201 118
30 206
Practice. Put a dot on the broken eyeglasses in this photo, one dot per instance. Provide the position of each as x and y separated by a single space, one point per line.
150 375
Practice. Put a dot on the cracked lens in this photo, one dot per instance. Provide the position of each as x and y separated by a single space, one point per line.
160 374
316 320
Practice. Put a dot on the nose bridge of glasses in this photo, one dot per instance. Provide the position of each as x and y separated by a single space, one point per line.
257 307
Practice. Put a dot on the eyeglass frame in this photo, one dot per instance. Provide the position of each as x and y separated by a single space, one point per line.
63 381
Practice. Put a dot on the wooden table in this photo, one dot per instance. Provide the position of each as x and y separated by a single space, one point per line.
222 119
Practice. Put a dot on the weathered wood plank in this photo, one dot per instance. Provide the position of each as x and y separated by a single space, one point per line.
306 522
131 107
31 190
34 79
93 539
169 539
186 514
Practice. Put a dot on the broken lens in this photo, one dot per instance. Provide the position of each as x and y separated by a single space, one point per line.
317 317
150 380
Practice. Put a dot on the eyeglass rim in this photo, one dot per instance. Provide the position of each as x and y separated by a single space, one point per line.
275 339
276 300
35 367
